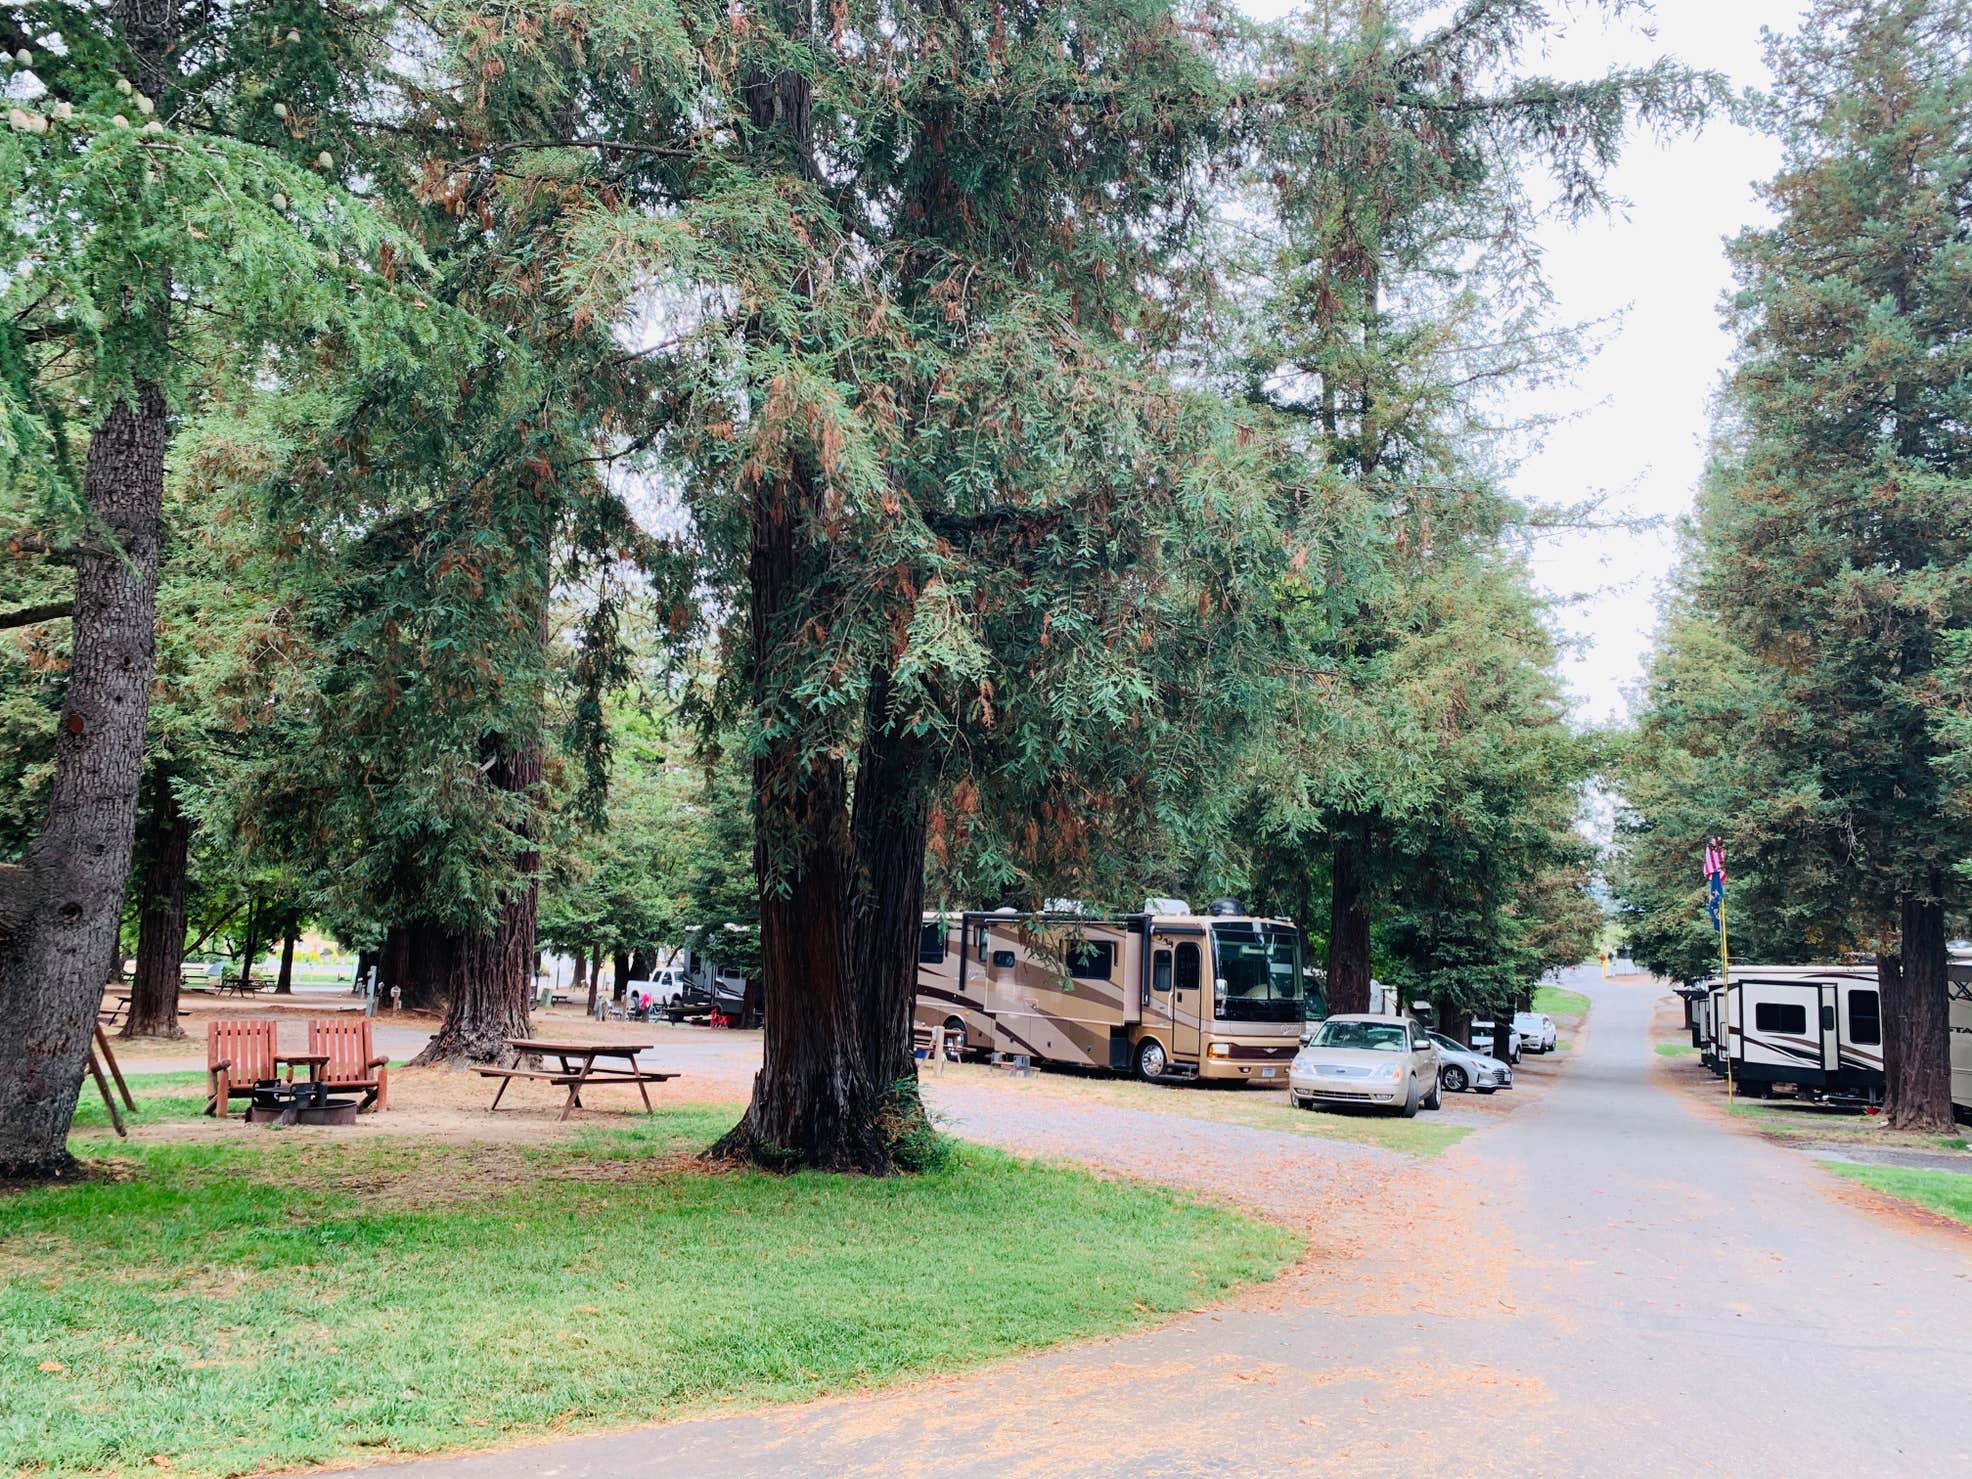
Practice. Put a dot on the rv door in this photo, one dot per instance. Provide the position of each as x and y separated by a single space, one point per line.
1831 1039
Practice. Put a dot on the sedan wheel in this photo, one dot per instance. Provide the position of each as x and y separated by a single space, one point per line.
1453 1078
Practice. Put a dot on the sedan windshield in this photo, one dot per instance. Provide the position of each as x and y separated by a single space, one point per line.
1380 1037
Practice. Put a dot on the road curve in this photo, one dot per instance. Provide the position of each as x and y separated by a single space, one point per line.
1612 1281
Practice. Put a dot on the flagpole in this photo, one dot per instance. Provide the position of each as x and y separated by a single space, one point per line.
1725 976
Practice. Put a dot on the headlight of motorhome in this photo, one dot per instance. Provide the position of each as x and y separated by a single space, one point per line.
1221 1050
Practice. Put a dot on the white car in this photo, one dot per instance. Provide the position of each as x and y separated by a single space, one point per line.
1536 1031
1459 1068
1366 1059
1482 1042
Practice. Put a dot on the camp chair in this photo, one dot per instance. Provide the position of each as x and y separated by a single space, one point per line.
238 1054
353 1061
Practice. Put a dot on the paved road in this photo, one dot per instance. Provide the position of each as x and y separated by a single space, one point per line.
1610 1282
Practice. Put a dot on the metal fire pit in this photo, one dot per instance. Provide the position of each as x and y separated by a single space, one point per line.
279 1104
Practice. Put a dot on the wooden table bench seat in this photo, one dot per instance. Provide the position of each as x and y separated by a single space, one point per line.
577 1071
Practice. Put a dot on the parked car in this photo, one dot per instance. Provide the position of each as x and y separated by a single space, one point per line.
1366 1059
1482 1042
1536 1031
1459 1068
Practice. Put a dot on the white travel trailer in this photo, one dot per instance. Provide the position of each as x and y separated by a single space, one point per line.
1818 1027
1961 1037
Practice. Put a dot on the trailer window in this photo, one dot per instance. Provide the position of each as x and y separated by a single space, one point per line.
1865 1018
1160 971
1780 1016
931 943
1091 960
1187 967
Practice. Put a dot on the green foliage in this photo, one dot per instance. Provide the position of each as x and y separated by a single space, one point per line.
1806 701
728 1287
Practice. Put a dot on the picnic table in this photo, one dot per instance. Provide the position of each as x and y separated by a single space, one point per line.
578 1068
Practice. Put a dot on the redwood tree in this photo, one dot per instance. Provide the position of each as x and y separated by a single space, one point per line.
1842 538
153 258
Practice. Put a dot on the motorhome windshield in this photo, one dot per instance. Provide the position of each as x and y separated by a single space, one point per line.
1257 971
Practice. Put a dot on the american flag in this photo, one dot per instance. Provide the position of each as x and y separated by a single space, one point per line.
1715 859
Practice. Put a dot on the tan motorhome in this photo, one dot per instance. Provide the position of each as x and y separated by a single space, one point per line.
1164 994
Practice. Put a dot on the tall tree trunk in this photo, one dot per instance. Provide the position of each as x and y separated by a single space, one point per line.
417 960
624 961
1348 921
813 1101
643 965
581 973
284 983
1889 991
492 971
161 919
889 831
60 910
1918 1021
252 944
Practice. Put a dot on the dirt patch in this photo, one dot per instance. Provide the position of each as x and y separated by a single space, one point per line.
1909 1215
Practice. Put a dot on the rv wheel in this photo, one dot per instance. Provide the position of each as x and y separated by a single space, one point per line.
1151 1062
954 1039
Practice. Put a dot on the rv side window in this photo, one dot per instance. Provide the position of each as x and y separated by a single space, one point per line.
1865 1018
931 943
1160 971
982 944
1002 960
1780 1016
1187 976
1828 1019
1090 960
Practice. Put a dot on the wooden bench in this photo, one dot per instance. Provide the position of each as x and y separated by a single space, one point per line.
354 1062
238 1054
578 1069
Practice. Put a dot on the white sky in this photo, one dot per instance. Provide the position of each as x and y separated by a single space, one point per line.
1639 409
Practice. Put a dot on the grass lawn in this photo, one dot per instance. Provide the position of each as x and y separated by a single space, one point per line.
1809 1123
1559 1003
1676 1050
1947 1192
223 1308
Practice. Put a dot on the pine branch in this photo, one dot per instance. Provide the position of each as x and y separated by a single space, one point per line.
28 616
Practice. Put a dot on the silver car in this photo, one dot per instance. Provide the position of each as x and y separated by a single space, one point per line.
1459 1068
1366 1059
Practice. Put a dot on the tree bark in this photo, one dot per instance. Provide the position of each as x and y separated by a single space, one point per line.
251 947
284 983
491 970
1917 1021
161 919
1348 922
813 1101
889 833
582 974
624 960
60 911
417 960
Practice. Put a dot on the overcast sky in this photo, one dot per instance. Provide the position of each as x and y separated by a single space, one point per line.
1639 409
